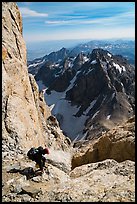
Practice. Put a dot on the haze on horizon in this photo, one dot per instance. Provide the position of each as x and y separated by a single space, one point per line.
48 21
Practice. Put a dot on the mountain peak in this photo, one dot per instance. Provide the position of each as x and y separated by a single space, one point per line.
99 83
99 52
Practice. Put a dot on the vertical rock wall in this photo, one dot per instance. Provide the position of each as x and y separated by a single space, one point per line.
21 114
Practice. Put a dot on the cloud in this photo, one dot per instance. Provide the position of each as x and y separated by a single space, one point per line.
116 19
26 12
56 22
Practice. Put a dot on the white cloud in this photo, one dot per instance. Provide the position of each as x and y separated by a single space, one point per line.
26 12
56 22
117 19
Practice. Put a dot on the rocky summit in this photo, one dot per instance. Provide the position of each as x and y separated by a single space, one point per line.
97 170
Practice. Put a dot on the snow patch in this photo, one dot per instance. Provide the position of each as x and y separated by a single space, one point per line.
51 107
113 95
85 58
53 97
56 75
90 107
95 114
72 81
122 84
56 65
108 117
124 69
117 67
73 126
94 62
84 136
90 70
36 64
109 54
70 64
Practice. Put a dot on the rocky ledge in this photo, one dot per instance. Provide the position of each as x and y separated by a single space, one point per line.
106 181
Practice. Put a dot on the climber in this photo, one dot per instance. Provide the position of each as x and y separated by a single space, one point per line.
36 154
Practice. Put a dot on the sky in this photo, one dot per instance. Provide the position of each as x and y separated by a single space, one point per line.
46 21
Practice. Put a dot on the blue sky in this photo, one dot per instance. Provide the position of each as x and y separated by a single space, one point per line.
44 21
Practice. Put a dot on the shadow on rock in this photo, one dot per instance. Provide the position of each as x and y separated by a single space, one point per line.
28 172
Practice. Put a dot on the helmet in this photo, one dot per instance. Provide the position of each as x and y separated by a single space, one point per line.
46 150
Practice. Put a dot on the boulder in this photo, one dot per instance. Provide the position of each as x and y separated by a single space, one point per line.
118 144
33 192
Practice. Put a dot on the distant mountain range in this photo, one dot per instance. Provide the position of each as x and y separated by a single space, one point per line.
88 92
125 48
118 47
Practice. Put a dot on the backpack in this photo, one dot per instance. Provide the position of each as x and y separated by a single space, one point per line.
31 153
40 149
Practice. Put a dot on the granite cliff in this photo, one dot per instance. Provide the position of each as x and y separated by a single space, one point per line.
24 111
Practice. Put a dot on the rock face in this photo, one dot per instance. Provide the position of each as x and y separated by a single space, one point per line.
44 62
52 73
24 112
118 144
66 77
103 85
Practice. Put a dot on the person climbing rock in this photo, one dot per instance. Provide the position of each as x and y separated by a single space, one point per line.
36 154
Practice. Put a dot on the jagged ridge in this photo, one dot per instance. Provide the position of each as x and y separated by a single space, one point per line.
100 87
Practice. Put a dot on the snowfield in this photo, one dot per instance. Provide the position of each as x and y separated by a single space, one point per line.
118 67
73 126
